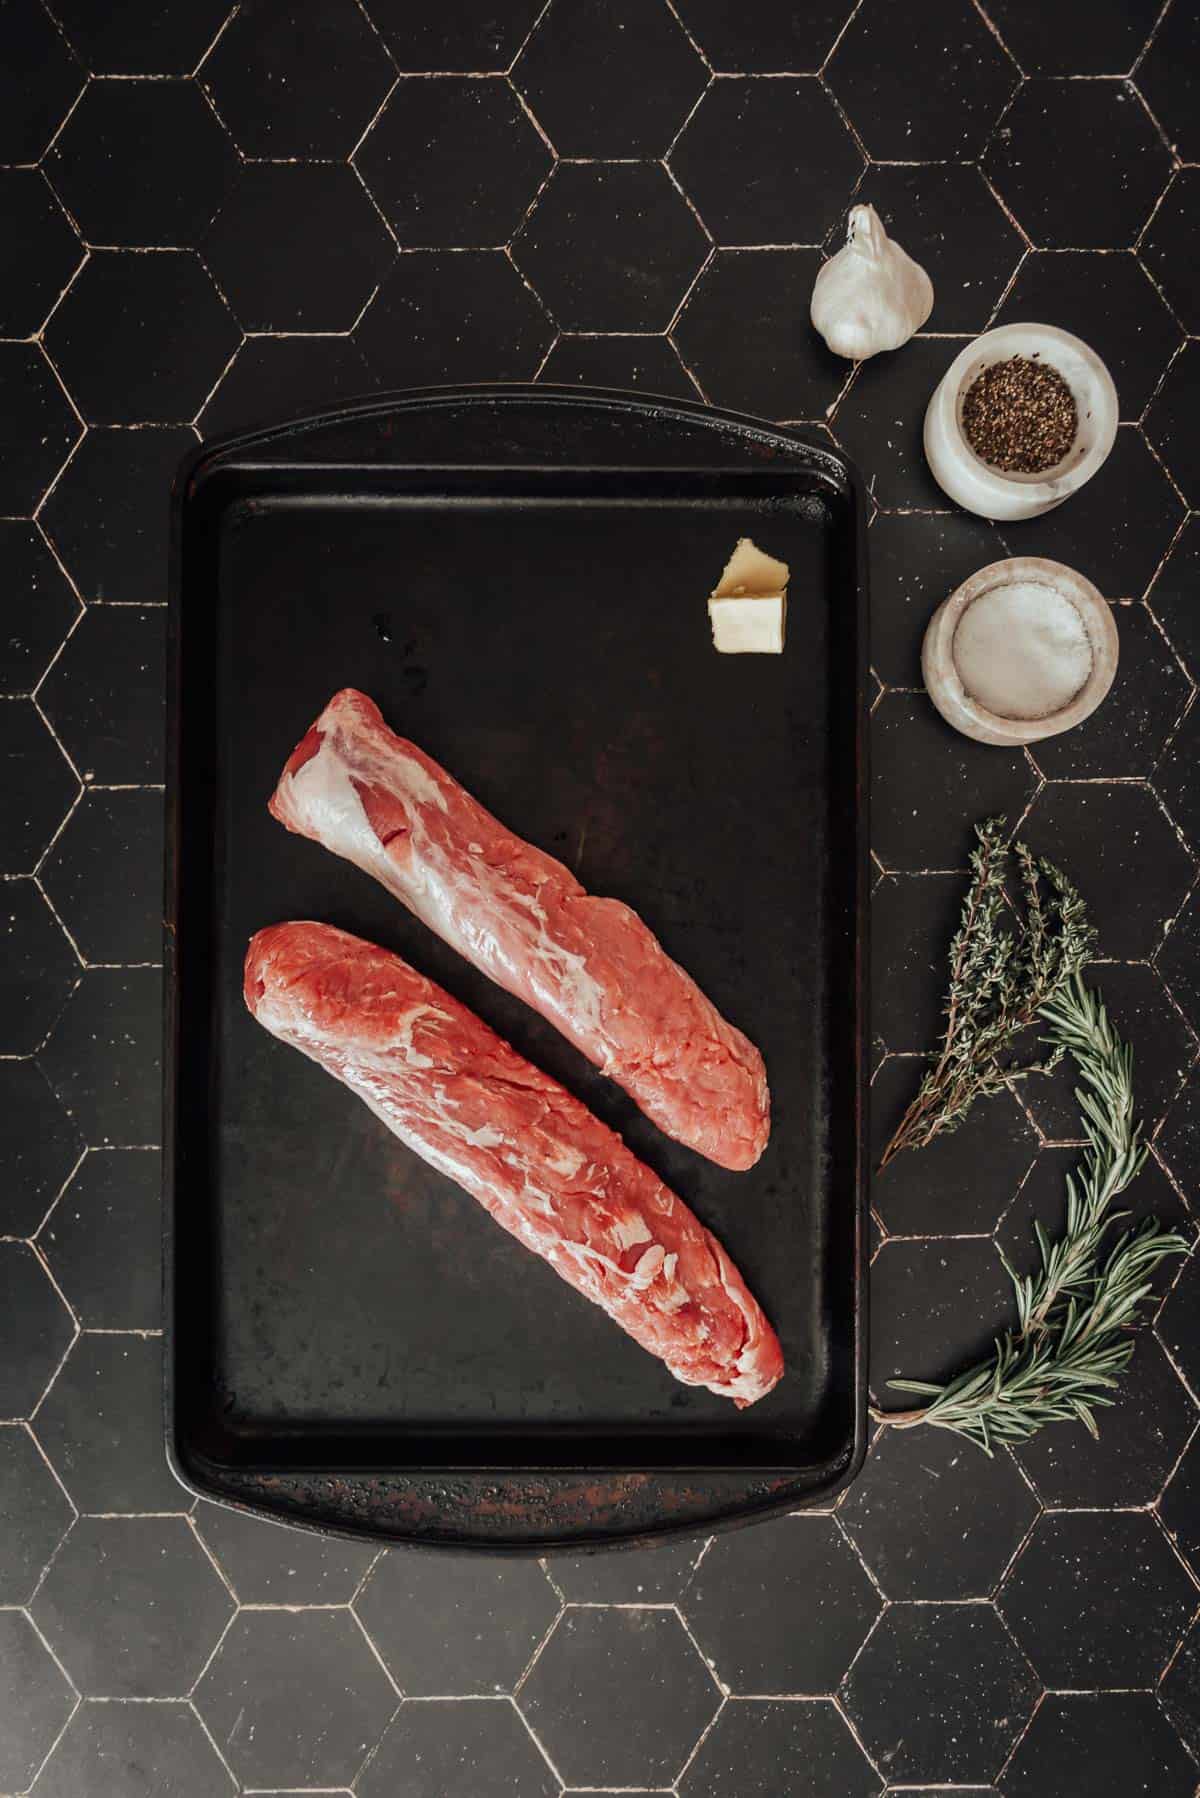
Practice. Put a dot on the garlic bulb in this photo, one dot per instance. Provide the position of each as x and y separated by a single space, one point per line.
871 296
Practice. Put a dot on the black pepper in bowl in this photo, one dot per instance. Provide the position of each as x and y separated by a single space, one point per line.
1019 416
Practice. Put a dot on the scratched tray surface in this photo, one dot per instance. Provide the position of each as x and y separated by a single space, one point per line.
352 1335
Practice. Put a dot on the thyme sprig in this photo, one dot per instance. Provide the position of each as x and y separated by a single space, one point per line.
1072 1340
1006 965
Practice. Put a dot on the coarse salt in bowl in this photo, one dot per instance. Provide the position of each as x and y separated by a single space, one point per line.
988 491
1024 649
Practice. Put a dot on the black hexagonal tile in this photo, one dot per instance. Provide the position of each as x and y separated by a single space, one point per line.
767 162
101 1426
1171 246
39 81
1171 420
610 78
453 162
132 1607
1178 1324
1172 596
619 1697
1097 1598
37 428
142 162
145 1748
1178 1141
298 78
1105 298
108 515
35 1330
104 695
102 1057
38 1147
454 316
881 418
648 363
35 1701
141 339
1140 1439
1043 1200
38 255
485 1620
1179 1505
1179 1696
1117 1743
937 1191
1167 77
38 788
36 1513
141 37
610 247
936 1308
104 1241
1076 37
654 1575
39 969
767 40
1097 137
921 769
917 560
1125 736
945 216
268 1563
272 378
976 1689
1099 832
742 1604
1178 961
41 606
923 87
457 36
934 1518
476 1745
110 925
260 250
1174 778
1117 529
295 1698
745 337
780 1745
913 918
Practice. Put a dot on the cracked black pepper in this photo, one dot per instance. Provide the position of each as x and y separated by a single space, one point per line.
1019 416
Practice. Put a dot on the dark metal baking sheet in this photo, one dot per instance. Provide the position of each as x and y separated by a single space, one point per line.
517 576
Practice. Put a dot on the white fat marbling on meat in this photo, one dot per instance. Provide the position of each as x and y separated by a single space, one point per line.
629 1231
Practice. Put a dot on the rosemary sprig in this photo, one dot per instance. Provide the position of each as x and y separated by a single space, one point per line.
1006 966
1074 1315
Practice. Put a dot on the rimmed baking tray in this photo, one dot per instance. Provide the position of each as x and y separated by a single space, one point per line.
518 577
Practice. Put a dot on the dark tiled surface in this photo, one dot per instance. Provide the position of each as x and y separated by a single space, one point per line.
741 1606
610 77
286 165
976 1690
767 162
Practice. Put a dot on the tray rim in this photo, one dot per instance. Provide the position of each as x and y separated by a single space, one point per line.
236 449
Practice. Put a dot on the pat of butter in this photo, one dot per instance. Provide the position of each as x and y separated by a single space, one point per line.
748 624
748 606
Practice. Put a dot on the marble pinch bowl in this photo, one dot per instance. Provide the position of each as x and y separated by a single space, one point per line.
974 483
944 683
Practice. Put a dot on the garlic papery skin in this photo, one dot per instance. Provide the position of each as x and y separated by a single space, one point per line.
871 296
